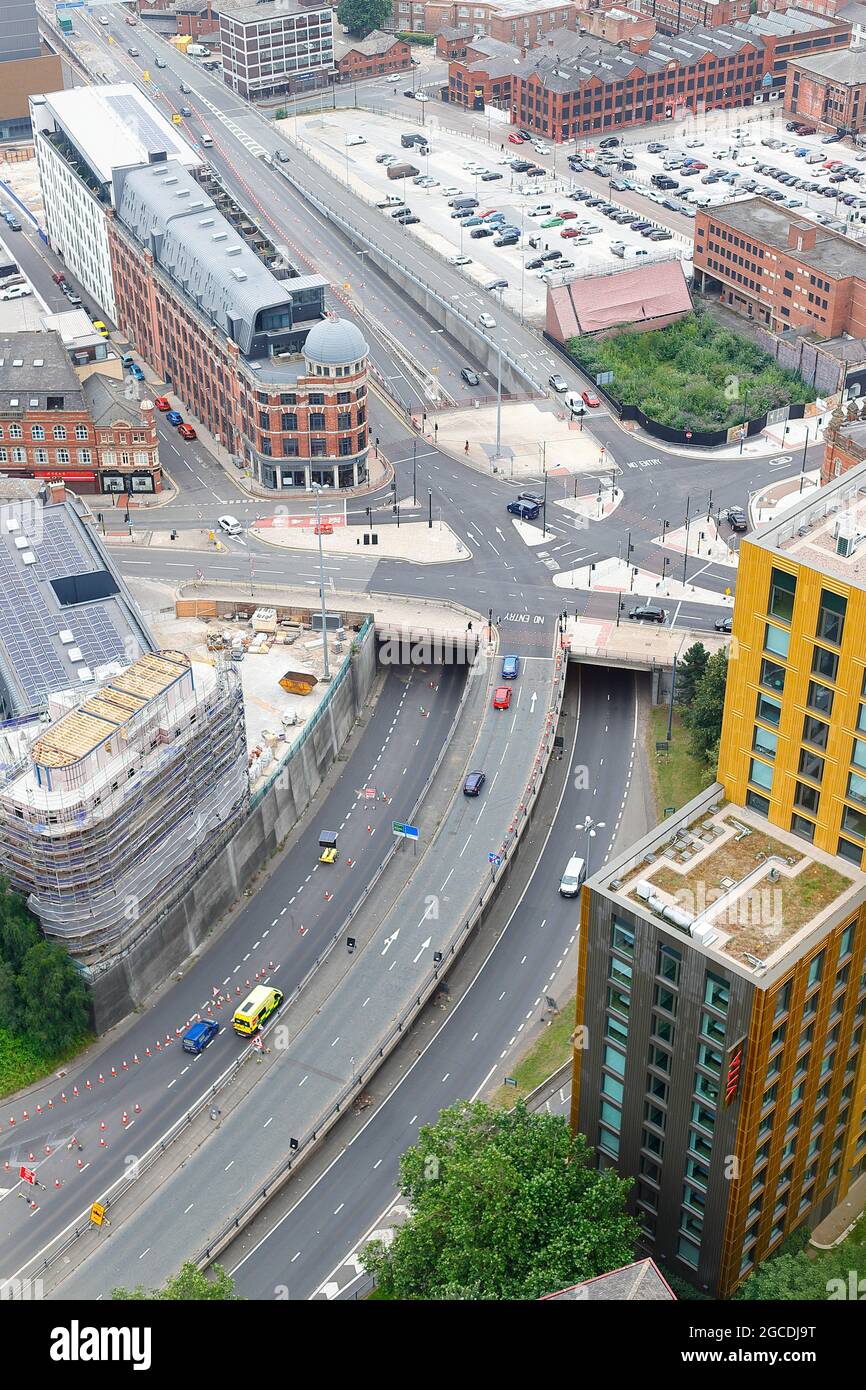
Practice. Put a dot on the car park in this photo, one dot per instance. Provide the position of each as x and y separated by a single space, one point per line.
648 612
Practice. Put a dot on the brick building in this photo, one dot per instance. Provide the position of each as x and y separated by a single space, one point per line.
586 85
619 26
240 335
781 270
91 434
379 53
193 17
844 444
522 22
673 16
829 91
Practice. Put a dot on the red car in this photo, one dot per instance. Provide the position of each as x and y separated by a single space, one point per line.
489 212
568 232
186 431
696 164
502 697
515 140
566 215
162 403
589 399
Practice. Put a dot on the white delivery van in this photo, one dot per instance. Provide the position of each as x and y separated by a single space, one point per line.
197 50
541 210
575 873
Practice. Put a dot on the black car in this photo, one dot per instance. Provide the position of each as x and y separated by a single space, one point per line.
535 264
478 232
490 176
736 519
532 497
723 624
526 134
626 165
520 166
399 212
473 784
551 255
649 612
530 173
410 220
608 141
407 92
471 378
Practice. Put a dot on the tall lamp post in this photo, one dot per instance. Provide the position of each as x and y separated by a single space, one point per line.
317 488
414 467
589 828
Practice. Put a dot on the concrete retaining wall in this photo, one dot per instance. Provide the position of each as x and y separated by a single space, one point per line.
126 984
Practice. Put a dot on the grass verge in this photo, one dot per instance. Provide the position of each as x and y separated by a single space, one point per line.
545 1056
677 776
22 1064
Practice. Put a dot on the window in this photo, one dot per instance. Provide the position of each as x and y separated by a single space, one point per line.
820 698
608 1141
772 675
854 822
717 992
59 432
815 731
81 431
668 964
614 1059
776 640
317 420
854 853
858 753
760 774
764 742
825 664
802 827
831 618
37 432
782 590
768 709
618 1001
758 803
622 937
811 765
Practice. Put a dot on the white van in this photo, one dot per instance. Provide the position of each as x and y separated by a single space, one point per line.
541 210
575 873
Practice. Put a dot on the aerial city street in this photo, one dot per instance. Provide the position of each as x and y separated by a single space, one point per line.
432 662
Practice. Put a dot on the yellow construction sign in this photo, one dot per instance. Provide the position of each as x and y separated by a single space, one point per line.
97 1214
145 76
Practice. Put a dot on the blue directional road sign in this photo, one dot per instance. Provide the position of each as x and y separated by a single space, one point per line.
409 832
495 860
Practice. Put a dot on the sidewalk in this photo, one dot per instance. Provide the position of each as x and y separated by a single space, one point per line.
833 1229
535 437
413 540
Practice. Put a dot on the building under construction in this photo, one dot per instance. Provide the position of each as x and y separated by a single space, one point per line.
124 801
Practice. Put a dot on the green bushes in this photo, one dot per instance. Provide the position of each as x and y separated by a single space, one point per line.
428 39
693 375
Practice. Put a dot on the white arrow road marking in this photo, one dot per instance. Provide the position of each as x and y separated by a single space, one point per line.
389 941
532 703
424 947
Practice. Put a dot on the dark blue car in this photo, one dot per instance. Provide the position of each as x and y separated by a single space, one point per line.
196 1038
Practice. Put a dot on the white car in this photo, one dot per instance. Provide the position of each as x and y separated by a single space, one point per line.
102 19
450 192
15 292
421 96
558 383
487 320
395 77
355 140
230 525
459 260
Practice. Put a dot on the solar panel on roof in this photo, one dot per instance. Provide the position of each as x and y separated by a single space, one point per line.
136 117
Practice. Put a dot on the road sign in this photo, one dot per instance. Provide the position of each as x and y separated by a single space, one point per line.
97 1214
494 859
27 1174
408 832
603 378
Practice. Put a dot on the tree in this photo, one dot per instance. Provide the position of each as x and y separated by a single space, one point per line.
18 930
704 716
54 1009
689 672
819 1278
9 1002
508 1205
360 16
190 1285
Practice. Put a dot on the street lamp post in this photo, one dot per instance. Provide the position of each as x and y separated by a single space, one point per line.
414 467
326 669
686 549
589 828
429 509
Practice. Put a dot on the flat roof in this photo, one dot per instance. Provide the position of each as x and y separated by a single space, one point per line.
846 65
269 9
66 612
116 125
825 531
762 220
735 886
83 729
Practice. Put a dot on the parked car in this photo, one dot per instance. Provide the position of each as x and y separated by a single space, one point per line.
186 431
174 417
724 624
162 403
460 260
135 372
15 292
648 612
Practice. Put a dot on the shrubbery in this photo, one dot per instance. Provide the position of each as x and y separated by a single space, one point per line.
693 375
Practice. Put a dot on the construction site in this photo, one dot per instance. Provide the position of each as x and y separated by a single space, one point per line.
125 799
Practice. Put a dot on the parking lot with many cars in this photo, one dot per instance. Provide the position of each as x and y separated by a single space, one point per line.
495 210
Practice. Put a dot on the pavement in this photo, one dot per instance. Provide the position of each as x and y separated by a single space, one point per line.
412 540
534 437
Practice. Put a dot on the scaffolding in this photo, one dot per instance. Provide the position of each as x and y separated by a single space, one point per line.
100 862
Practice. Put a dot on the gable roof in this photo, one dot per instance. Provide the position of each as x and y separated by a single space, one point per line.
638 295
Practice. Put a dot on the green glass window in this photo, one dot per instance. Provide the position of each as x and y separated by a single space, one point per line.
782 590
854 822
761 774
776 640
765 742
856 788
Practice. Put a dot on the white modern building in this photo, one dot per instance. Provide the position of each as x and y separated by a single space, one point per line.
276 46
82 136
